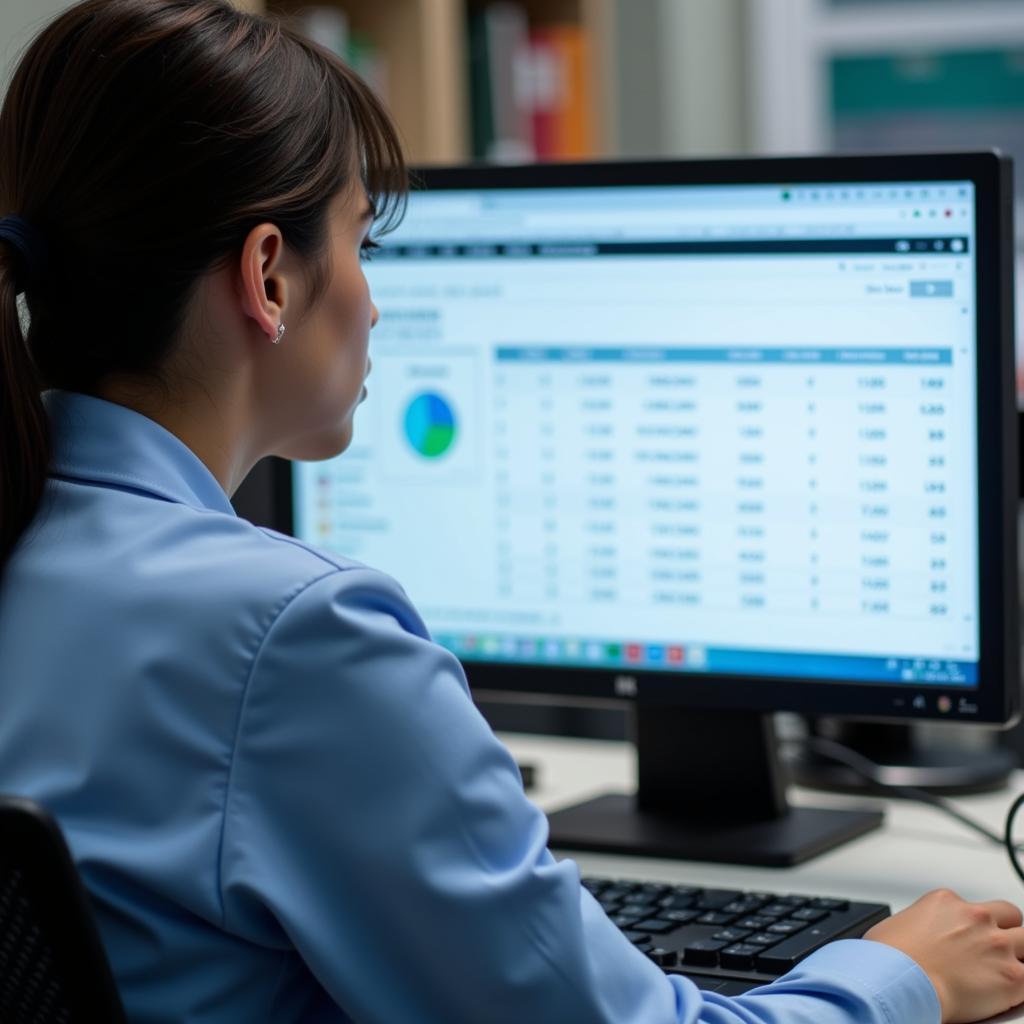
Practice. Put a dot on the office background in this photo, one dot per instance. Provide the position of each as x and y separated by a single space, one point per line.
576 79
638 78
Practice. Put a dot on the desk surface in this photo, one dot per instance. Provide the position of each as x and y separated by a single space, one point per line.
917 848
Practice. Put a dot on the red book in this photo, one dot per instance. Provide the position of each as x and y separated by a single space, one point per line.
547 88
562 119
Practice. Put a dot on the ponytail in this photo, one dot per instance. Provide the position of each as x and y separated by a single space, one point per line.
24 428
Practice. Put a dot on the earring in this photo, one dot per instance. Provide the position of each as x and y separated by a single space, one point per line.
280 334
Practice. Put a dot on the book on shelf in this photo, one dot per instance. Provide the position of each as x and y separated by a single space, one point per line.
499 49
562 125
529 87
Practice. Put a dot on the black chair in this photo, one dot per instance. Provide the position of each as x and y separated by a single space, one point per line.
52 966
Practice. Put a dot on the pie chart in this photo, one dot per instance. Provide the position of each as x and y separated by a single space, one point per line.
429 425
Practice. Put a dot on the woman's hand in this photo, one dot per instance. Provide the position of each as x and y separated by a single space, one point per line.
971 952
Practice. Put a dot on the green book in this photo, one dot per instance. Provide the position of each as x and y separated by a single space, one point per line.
481 99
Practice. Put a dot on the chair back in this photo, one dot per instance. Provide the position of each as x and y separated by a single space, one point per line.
53 969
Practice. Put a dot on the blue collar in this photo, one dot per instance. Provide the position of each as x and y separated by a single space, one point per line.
100 442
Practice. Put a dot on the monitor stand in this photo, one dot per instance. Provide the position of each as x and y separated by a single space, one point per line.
903 760
710 788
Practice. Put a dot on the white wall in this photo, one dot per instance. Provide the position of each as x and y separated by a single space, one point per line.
702 50
20 20
682 78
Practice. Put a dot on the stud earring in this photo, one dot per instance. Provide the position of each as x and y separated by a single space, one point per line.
280 334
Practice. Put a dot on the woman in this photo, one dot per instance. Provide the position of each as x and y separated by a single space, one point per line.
277 788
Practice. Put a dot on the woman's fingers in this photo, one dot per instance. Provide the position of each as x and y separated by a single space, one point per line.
1006 915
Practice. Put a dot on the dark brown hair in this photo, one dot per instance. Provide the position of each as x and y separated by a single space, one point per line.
143 140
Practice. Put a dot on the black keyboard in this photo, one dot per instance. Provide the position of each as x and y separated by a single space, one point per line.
726 940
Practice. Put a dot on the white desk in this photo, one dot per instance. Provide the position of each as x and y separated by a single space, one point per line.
916 849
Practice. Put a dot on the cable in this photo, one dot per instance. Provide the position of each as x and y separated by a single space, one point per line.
1012 849
867 769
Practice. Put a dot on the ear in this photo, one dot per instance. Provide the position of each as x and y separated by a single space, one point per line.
262 283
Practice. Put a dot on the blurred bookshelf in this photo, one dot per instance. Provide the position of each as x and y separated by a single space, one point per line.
478 79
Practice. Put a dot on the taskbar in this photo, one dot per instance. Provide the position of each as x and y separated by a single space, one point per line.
695 657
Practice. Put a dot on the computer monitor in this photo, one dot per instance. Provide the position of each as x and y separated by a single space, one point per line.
717 438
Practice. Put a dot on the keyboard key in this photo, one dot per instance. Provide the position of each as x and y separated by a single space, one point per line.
762 939
730 935
703 952
615 892
824 904
793 901
786 927
743 906
755 923
643 909
678 916
715 899
739 957
641 896
712 917
788 953
808 914
655 890
677 901
776 910
663 957
654 925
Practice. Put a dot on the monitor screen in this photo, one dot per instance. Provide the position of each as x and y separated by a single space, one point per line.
692 430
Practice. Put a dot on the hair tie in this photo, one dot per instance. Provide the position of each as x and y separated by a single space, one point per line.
31 247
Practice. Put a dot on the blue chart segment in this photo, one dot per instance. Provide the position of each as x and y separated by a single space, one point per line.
430 425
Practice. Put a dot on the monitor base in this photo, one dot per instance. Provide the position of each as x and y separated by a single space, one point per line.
613 824
902 761
948 772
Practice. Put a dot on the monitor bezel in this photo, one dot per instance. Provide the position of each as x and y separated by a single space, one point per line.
996 698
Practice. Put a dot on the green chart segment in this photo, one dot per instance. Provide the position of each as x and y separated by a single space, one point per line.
430 425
